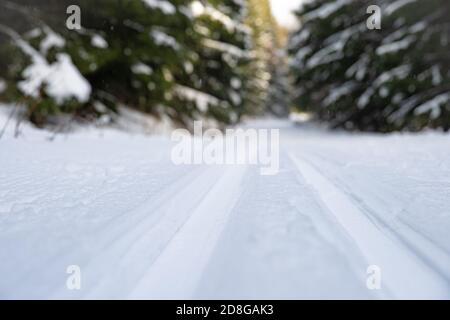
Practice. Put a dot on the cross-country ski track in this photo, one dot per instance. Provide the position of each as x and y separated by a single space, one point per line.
140 227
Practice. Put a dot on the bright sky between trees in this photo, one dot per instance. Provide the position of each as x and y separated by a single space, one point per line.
282 10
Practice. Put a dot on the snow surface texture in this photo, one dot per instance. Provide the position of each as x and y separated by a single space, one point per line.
140 227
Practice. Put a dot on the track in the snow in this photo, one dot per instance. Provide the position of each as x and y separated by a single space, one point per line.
140 227
178 269
404 274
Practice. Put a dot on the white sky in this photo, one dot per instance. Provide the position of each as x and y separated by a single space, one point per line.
282 10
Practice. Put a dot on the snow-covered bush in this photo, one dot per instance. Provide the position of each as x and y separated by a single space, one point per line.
394 78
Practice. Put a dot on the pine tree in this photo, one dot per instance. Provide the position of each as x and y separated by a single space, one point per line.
379 80
182 58
127 50
279 94
215 83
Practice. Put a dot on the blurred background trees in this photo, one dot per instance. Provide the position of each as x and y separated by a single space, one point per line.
224 59
394 78
269 64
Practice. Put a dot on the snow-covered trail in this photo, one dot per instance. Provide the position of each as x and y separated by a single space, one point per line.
139 226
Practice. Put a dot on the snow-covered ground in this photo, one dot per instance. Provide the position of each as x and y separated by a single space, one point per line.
139 226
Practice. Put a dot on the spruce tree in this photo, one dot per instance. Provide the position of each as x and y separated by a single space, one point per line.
215 83
378 80
279 93
182 58
127 50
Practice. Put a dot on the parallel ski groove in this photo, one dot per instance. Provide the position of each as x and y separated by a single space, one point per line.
177 271
403 273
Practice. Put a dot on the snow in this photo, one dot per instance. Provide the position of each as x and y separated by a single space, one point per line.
235 97
325 56
299 38
400 33
436 75
433 105
333 49
236 83
394 47
139 226
61 80
202 100
134 25
225 48
164 39
418 27
99 42
51 40
34 33
343 36
372 241
396 35
364 99
325 10
359 68
400 72
405 107
165 6
397 5
300 56
198 9
141 68
338 92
